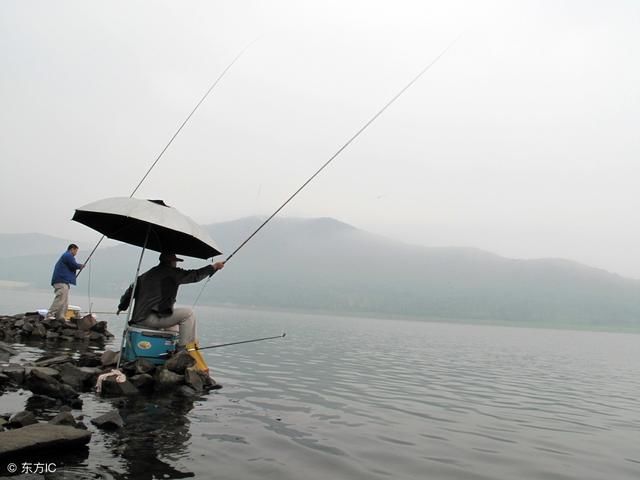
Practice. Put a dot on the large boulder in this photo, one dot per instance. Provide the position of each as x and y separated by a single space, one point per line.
44 384
40 437
167 380
179 362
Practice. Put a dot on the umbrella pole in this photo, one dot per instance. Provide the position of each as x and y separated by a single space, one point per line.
132 302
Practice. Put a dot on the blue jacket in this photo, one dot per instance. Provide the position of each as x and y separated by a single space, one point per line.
65 269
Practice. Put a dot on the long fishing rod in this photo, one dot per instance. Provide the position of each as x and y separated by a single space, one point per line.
236 343
333 157
213 85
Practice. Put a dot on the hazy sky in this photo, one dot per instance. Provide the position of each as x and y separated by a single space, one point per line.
523 140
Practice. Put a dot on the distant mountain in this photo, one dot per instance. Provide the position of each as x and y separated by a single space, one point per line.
325 265
25 244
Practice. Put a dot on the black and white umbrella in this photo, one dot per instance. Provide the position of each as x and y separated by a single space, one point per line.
149 224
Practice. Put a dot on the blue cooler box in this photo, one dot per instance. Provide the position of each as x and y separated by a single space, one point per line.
153 345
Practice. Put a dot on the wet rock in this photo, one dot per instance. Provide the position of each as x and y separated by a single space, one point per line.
95 337
46 370
89 359
39 437
109 421
14 372
194 378
87 322
112 388
75 377
81 335
142 365
143 382
64 418
21 419
39 331
7 349
109 358
4 379
52 335
186 391
43 384
54 360
180 362
19 323
100 327
167 380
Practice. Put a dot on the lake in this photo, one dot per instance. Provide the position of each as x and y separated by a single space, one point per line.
361 398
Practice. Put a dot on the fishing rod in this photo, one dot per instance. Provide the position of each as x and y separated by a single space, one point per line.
333 157
213 85
237 343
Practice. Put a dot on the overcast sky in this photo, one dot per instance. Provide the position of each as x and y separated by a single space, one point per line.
522 140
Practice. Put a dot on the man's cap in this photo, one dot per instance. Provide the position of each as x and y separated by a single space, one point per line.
166 257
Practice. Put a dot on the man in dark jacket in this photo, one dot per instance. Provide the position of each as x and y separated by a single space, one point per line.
156 293
64 275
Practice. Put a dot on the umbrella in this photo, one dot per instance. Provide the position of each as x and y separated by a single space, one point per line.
149 224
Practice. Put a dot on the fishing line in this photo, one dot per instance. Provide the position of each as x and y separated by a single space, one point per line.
213 85
340 150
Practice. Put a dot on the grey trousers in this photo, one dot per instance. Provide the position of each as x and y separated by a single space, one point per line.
60 305
182 316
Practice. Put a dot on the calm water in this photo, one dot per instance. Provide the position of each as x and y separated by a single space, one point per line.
350 398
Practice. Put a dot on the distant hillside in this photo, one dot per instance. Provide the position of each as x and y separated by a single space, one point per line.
24 244
323 264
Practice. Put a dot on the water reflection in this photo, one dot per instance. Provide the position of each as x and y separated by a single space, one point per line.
155 437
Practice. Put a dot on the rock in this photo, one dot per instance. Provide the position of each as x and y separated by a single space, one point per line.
43 384
39 437
86 323
142 365
46 370
39 331
52 335
89 359
81 335
109 421
194 378
167 380
100 327
4 357
64 418
180 362
19 323
95 336
75 377
6 348
27 327
4 379
109 358
143 382
21 419
186 391
111 388
47 362
14 372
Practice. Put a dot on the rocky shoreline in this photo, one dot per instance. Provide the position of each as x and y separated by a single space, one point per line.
58 380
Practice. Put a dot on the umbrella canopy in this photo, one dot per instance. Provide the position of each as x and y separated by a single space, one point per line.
130 220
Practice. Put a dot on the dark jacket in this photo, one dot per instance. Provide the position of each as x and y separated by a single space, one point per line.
157 289
65 269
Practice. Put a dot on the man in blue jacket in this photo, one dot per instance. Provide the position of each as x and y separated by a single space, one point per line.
64 275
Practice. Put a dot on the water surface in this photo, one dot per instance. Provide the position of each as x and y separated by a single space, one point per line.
358 398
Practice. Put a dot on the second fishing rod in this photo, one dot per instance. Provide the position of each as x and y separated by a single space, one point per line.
334 156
